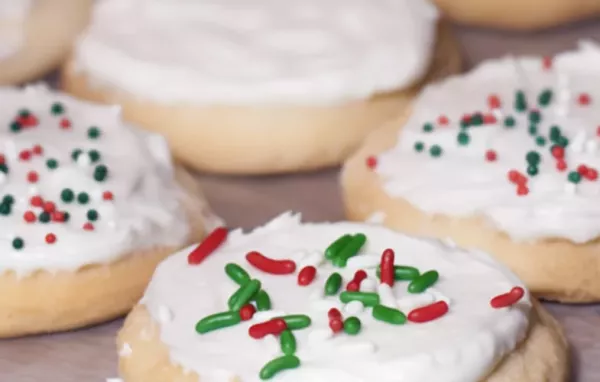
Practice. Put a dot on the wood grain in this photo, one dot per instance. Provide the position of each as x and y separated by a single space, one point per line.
89 355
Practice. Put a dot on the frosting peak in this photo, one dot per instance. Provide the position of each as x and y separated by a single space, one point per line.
305 51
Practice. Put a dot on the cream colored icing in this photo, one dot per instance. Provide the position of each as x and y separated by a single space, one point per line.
12 15
245 52
462 183
145 210
462 346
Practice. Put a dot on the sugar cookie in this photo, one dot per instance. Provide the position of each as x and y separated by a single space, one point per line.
519 14
286 87
88 207
36 35
290 306
504 159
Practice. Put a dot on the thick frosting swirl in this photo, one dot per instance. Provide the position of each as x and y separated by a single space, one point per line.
549 134
462 346
240 51
12 15
78 186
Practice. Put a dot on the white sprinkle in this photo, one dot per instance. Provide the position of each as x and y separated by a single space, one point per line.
354 307
561 111
409 303
363 261
499 114
368 285
357 348
267 315
83 160
571 188
376 218
319 335
2 177
125 350
314 258
439 296
165 315
591 146
578 142
386 295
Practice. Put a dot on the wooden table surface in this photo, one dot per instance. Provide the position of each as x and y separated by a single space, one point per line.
89 355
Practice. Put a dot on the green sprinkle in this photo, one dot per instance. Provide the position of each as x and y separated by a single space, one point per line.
83 198
57 108
4 168
540 141
217 321
574 177
243 295
545 97
52 164
75 154
15 127
263 301
100 173
66 216
388 315
535 116
401 272
465 123
92 215
287 342
5 209
419 146
533 157
94 155
428 127
533 130
8 199
18 243
367 298
44 217
463 138
562 141
509 121
278 365
297 321
67 195
477 119
520 101
435 151
335 247
424 281
555 133
93 132
237 274
352 326
532 170
333 284
24 113
351 249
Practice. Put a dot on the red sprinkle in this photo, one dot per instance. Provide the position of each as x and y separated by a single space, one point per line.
387 267
2 159
558 152
353 286
307 275
50 238
25 155
360 275
107 195
29 216
32 177
38 150
36 201
443 120
274 326
491 156
547 63
584 99
268 265
494 101
58 216
429 312
507 299
88 226
489 119
247 312
334 313
516 177
591 174
371 161
65 123
582 169
522 190
561 165
336 325
49 207
210 243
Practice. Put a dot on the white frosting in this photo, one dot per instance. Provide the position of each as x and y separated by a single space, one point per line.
145 211
252 51
462 346
12 15
462 183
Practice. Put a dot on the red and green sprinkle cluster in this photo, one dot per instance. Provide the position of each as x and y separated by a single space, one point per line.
50 209
250 296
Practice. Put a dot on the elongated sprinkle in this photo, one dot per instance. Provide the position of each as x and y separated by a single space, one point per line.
388 315
297 321
335 247
208 246
367 299
217 321
237 274
287 341
402 272
424 281
278 365
263 301
351 249
244 295
333 284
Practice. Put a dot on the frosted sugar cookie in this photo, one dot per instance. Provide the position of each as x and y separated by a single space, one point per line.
287 86
88 207
336 302
519 14
36 35
503 159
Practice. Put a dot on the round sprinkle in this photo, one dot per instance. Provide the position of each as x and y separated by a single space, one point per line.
584 99
558 152
107 195
49 207
545 97
32 177
509 122
574 177
37 150
25 155
533 157
352 326
540 141
67 195
52 164
57 108
435 151
83 198
535 116
371 161
463 138
477 119
247 312
491 156
18 243
29 216
94 155
75 154
443 120
65 123
15 127
93 132
336 324
532 170
50 238
8 199
494 101
419 146
88 226
44 217
92 215
533 130
100 173
5 209
36 201
428 127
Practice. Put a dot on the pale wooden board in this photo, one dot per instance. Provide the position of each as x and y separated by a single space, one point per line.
89 355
